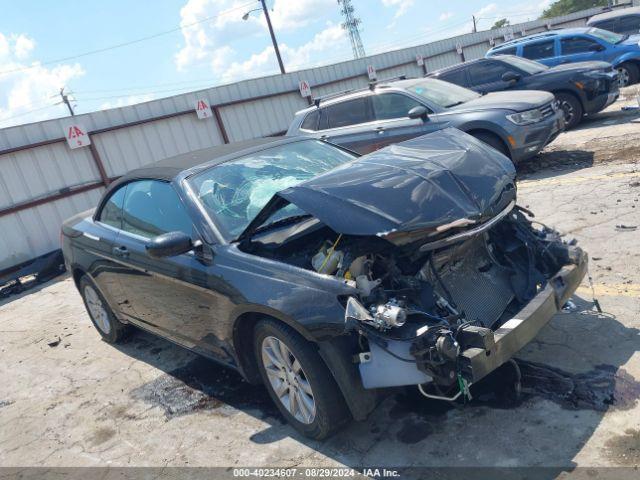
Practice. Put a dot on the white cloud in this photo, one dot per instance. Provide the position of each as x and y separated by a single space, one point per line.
401 5
26 90
23 46
321 48
445 16
209 41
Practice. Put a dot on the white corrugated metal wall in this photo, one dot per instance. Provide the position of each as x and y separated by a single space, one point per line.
32 171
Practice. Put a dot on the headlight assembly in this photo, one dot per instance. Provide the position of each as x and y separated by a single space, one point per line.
526 118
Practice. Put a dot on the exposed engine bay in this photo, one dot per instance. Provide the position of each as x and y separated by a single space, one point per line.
419 307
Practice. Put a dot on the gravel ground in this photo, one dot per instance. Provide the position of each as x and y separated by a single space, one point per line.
69 399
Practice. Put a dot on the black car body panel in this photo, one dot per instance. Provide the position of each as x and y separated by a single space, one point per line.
435 179
208 299
594 83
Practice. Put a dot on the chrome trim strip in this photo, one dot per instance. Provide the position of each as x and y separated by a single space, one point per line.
469 233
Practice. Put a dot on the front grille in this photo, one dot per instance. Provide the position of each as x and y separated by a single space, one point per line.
547 110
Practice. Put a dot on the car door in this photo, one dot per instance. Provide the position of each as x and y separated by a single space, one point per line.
350 124
486 76
543 51
98 241
394 125
579 48
169 296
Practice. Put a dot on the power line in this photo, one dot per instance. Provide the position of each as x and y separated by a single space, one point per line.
125 44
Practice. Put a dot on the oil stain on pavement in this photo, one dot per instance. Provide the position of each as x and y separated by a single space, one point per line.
203 385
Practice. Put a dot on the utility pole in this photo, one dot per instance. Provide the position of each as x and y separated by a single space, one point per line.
273 36
475 29
65 100
350 24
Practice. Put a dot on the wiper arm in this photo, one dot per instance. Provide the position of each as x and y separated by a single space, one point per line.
624 37
282 222
454 104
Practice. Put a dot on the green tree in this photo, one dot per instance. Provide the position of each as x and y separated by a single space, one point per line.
503 22
563 7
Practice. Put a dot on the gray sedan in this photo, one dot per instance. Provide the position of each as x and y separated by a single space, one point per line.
517 123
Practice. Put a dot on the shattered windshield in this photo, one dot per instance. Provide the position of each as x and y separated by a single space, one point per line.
233 193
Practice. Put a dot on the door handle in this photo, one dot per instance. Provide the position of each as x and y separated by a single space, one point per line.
121 251
380 130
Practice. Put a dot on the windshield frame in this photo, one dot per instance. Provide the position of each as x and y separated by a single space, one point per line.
220 231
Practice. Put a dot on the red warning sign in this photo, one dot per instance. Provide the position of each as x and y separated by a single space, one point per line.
203 109
76 135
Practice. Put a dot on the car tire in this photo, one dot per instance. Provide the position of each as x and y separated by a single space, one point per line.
493 141
572 109
109 327
627 74
298 373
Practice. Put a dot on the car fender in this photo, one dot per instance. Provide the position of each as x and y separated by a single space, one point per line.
490 127
626 57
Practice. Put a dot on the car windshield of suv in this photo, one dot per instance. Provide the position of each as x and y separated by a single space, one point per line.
524 64
441 93
606 35
233 193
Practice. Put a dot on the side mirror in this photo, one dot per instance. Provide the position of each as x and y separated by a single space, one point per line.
511 77
419 112
596 48
169 244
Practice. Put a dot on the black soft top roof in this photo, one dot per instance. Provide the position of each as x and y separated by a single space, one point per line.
170 168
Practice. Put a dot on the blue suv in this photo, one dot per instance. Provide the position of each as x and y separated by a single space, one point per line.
579 45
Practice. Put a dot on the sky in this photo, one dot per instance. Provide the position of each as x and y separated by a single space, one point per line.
119 52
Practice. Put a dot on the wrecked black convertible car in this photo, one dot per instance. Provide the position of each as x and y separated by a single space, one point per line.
327 276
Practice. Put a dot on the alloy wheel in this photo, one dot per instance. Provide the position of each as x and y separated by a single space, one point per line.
288 380
623 77
96 309
567 108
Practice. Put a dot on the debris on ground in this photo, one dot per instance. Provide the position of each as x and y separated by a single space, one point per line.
624 228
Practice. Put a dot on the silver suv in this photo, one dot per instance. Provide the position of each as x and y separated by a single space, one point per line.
517 123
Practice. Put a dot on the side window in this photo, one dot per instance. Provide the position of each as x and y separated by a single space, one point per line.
487 72
387 106
311 121
351 112
571 45
506 51
629 24
458 77
606 25
111 213
537 50
152 207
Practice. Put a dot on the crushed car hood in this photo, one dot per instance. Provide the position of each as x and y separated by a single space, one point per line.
446 178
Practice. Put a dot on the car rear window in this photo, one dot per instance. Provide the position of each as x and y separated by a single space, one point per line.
537 50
